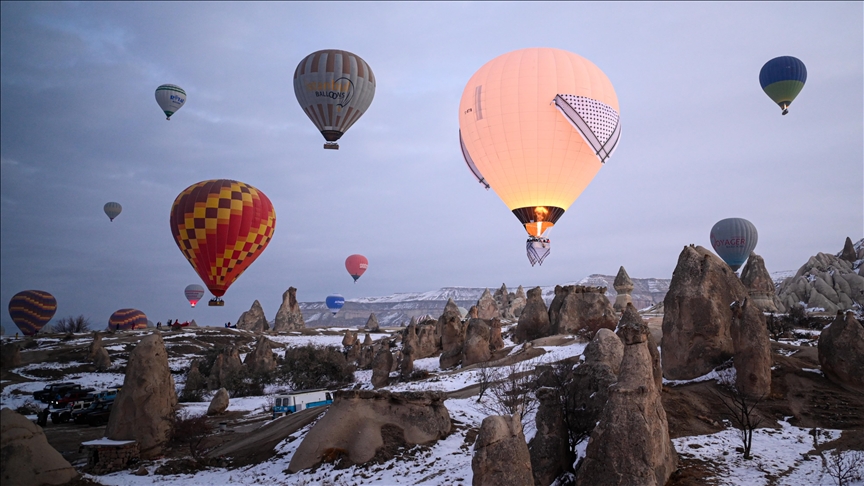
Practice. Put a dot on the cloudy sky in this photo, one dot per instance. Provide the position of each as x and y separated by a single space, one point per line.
701 142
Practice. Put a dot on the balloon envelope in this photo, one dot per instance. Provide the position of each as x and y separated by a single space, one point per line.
733 239
112 210
126 319
222 226
335 302
170 98
782 78
356 265
334 88
194 292
31 310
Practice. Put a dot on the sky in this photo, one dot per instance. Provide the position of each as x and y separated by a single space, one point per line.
79 126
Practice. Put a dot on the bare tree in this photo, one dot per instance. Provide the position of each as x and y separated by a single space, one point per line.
778 326
578 419
741 409
486 376
513 392
845 466
72 324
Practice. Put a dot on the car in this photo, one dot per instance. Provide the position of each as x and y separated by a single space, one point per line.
80 416
51 391
72 396
63 415
100 416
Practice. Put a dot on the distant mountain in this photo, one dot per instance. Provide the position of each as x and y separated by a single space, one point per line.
398 309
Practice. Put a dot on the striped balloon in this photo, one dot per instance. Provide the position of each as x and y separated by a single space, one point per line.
170 98
31 310
733 239
222 226
782 78
112 210
334 88
194 292
126 319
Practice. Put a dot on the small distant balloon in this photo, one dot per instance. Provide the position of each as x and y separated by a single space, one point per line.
170 98
194 292
31 310
734 239
356 266
127 319
335 302
782 78
112 209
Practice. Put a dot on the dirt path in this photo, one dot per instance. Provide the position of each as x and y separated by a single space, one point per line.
257 446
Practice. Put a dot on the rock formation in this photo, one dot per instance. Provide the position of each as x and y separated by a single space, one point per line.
361 423
496 342
219 403
848 252
451 310
253 319
476 348
760 286
381 366
350 338
517 303
500 453
534 320
841 352
289 317
261 359
502 301
144 408
10 356
372 323
26 457
406 365
486 306
606 348
582 311
631 444
549 449
696 335
94 346
102 361
624 286
227 363
452 340
752 345
826 282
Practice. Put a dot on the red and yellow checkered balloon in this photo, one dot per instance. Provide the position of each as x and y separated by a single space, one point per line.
221 226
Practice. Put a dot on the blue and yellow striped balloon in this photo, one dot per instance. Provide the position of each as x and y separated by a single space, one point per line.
782 78
31 310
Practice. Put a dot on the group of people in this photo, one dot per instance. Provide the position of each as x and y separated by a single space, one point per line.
175 322
229 326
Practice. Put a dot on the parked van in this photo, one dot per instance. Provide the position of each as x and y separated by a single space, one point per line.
300 400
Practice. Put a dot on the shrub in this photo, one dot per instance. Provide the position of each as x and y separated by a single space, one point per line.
797 316
778 327
309 366
190 429
71 324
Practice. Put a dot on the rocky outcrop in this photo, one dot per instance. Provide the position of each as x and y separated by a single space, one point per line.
289 317
226 365
219 403
496 341
451 311
350 338
516 304
848 252
486 306
631 443
549 449
406 364
102 361
841 352
582 311
476 348
253 319
144 408
372 323
500 454
26 457
10 356
261 359
696 335
826 282
95 346
606 348
382 363
361 424
428 342
534 319
452 340
502 301
752 358
624 286
760 286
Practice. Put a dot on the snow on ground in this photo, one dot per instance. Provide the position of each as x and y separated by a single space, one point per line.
324 340
726 375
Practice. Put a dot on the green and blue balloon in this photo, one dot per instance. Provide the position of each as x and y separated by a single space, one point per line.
782 78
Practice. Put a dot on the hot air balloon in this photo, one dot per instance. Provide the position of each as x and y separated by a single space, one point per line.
334 88
733 239
538 124
194 292
782 78
170 98
222 226
334 303
356 265
126 319
31 310
112 209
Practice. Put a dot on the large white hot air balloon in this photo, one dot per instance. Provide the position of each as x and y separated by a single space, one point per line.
170 98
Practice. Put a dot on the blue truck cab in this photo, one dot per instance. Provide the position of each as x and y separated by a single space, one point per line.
300 400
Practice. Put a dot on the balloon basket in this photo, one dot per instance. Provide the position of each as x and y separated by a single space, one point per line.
217 302
331 146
